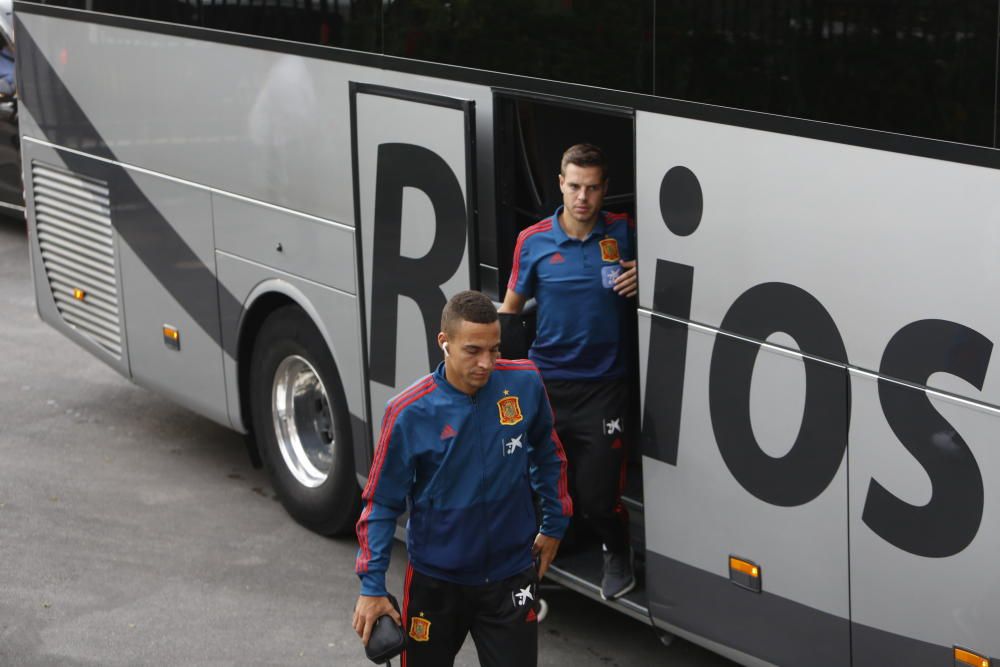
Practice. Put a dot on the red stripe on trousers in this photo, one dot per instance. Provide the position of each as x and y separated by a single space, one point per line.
406 605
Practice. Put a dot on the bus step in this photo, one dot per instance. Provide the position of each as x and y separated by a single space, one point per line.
633 504
636 525
581 572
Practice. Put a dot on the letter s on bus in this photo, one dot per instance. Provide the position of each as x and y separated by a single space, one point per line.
949 522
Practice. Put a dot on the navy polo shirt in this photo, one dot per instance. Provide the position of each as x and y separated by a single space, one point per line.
580 316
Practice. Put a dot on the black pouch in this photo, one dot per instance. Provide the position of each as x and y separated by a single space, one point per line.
517 333
387 639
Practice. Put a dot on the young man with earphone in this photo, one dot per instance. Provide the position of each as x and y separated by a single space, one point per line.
465 449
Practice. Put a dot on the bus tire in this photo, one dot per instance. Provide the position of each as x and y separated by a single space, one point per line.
301 423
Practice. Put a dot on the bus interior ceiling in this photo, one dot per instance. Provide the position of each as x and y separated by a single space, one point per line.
534 135
531 137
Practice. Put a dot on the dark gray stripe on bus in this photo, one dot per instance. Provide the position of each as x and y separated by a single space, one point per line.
763 625
771 627
171 260
980 156
876 648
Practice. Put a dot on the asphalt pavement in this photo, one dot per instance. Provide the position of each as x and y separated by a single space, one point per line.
134 532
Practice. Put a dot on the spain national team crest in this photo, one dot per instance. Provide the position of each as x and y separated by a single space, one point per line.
609 250
510 410
420 629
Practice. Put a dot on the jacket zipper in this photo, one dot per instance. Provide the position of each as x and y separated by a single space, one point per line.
482 485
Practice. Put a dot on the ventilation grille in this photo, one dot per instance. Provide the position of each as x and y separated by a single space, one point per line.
73 221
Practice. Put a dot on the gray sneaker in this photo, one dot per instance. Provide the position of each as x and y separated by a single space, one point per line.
619 574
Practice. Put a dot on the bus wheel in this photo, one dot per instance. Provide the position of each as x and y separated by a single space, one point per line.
301 423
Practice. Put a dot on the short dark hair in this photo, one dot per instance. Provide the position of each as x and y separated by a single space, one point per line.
585 155
469 306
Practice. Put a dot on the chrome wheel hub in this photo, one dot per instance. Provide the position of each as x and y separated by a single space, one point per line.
303 421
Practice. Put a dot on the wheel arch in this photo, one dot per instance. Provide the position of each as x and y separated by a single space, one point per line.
265 298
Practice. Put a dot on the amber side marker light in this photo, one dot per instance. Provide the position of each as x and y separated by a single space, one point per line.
744 573
171 337
965 657
79 294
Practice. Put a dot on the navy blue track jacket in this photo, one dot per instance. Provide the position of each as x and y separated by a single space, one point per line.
466 467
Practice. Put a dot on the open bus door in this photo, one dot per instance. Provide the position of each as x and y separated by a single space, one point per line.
532 132
414 194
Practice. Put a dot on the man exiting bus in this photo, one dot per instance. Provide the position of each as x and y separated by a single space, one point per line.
464 448
579 265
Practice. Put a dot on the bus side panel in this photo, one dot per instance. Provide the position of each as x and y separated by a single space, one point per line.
925 524
820 240
168 275
747 481
883 261
311 248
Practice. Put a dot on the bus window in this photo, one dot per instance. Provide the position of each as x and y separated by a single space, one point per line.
915 68
595 43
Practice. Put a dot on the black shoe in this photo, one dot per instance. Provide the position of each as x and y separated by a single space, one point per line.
619 574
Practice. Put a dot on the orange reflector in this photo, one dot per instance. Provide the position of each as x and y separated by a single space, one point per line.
969 658
744 567
171 337
79 294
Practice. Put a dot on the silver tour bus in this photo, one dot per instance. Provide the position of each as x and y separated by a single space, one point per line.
258 209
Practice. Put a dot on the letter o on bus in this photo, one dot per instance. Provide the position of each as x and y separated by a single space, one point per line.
812 462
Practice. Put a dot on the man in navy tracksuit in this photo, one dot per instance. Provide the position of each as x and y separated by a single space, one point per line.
579 264
465 448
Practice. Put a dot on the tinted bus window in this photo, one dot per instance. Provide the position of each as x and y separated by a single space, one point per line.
596 42
923 67
352 24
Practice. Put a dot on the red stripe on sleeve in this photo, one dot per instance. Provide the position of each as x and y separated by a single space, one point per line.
396 406
564 499
516 365
542 226
361 528
613 218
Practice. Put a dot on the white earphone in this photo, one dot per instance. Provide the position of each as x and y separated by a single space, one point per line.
444 346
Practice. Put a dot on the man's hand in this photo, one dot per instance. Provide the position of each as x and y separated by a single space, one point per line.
512 303
627 282
545 549
368 610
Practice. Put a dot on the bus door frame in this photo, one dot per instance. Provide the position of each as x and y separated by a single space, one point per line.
364 450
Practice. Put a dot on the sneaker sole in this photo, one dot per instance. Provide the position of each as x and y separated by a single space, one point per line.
620 593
